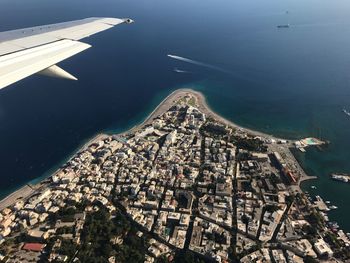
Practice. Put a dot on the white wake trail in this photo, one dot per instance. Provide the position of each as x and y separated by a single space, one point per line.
181 71
198 63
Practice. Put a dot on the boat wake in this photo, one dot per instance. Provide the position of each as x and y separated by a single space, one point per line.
237 74
181 71
198 63
320 24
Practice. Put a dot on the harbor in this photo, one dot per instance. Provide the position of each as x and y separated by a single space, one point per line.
322 205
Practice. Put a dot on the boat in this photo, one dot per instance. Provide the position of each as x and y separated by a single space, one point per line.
346 112
333 224
342 177
333 207
180 71
283 26
328 202
313 187
302 149
340 174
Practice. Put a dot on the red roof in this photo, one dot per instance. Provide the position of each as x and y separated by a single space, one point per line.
33 247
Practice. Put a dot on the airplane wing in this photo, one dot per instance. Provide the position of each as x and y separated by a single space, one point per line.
24 52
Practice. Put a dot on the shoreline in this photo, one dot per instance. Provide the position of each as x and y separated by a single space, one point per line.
28 189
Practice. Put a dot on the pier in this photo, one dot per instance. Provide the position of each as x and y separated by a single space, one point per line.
309 141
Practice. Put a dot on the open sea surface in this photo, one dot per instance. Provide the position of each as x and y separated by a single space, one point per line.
291 82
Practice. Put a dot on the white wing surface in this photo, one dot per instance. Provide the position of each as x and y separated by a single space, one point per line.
27 51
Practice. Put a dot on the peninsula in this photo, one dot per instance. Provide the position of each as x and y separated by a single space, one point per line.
186 185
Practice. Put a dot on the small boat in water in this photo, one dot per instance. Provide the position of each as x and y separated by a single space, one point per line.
313 187
333 207
333 224
346 112
284 26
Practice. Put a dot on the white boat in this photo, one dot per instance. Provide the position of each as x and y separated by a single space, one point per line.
313 187
340 177
346 112
180 71
318 198
333 207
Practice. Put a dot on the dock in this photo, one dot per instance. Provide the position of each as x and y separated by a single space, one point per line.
320 204
309 141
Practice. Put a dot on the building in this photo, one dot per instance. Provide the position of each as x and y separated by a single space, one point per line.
322 248
36 247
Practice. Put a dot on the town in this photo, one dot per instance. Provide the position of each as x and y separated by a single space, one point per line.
184 188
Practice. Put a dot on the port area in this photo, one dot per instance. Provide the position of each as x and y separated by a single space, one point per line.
320 204
309 141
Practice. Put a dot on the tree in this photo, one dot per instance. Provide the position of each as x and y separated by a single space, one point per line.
98 232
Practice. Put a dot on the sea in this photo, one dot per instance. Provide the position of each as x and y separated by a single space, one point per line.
290 82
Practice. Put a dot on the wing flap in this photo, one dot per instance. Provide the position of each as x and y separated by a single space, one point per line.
7 47
21 64
28 42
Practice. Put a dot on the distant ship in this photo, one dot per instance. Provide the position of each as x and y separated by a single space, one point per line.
346 112
342 177
284 26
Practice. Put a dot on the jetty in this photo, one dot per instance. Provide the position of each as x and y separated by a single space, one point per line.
320 204
309 141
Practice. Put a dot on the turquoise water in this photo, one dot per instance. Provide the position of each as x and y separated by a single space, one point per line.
292 82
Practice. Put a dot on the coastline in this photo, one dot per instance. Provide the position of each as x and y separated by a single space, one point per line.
27 190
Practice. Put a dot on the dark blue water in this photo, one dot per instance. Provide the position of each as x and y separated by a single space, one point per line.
288 82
